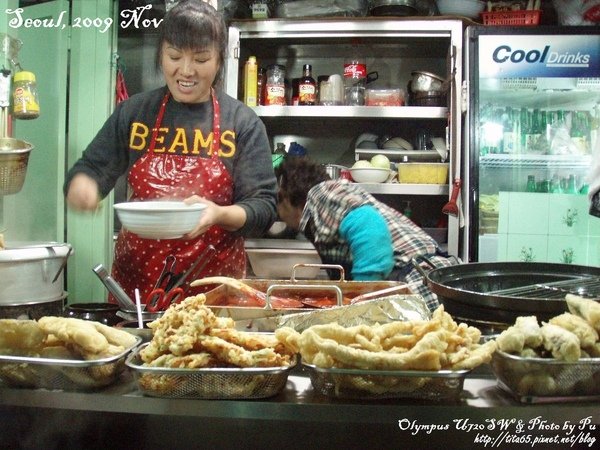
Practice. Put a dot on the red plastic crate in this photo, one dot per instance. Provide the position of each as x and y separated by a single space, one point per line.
519 18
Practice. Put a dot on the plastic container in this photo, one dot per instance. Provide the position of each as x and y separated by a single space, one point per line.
275 86
525 17
384 97
25 97
423 173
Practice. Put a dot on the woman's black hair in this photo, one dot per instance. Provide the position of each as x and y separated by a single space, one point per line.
296 176
196 25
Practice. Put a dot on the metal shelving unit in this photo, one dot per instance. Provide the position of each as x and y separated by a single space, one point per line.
394 47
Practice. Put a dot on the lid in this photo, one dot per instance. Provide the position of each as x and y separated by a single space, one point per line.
252 59
30 251
24 76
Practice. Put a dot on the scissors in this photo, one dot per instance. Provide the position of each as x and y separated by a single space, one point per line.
159 300
167 277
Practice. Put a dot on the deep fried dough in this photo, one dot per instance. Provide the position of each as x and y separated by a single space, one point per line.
529 326
563 344
20 335
585 308
191 361
75 331
511 340
238 356
578 326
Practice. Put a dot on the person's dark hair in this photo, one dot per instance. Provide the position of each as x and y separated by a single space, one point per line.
194 24
296 176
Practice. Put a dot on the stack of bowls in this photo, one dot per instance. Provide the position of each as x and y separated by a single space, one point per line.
427 89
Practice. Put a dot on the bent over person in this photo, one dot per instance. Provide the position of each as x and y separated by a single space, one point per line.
351 228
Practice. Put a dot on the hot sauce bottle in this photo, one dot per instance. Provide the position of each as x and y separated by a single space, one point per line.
307 87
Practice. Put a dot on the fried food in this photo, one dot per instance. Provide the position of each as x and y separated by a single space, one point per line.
25 335
585 308
412 345
189 336
423 345
511 340
562 344
190 361
578 326
529 326
74 331
61 339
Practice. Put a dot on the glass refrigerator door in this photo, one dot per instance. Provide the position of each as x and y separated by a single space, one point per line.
537 118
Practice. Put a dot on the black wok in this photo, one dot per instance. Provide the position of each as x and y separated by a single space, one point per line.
502 291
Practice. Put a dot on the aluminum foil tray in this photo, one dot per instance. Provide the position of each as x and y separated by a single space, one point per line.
210 383
63 374
384 384
532 380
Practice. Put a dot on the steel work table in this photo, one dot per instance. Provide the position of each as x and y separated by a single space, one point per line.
121 417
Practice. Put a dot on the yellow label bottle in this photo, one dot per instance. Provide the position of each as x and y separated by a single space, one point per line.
250 82
25 97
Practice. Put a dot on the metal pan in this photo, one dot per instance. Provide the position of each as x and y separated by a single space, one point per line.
502 291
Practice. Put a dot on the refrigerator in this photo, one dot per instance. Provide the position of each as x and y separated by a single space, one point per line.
531 123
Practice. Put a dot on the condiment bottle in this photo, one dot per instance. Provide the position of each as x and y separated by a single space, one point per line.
307 87
251 82
275 89
261 85
25 96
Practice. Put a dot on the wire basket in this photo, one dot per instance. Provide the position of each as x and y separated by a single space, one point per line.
385 384
525 17
210 383
529 378
14 157
64 374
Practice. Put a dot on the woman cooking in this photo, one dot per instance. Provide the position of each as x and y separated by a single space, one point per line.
351 228
187 140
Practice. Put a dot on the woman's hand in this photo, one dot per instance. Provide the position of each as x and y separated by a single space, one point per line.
83 193
229 217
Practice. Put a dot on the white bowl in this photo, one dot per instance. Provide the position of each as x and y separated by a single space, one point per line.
369 174
159 219
465 8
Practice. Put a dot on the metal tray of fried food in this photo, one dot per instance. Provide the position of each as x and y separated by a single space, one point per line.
387 384
214 383
64 374
538 380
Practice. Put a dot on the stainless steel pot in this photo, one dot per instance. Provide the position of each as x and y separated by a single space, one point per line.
32 273
393 8
500 292
334 170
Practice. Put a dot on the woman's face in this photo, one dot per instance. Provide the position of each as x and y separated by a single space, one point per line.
189 73
288 213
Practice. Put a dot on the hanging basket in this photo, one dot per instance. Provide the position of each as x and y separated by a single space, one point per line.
14 157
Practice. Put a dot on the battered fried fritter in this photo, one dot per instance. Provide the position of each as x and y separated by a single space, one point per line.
563 344
585 308
25 335
578 326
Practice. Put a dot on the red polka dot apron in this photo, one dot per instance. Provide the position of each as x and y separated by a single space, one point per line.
138 262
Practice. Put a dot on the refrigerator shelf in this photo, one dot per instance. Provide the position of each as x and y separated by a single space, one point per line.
535 161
